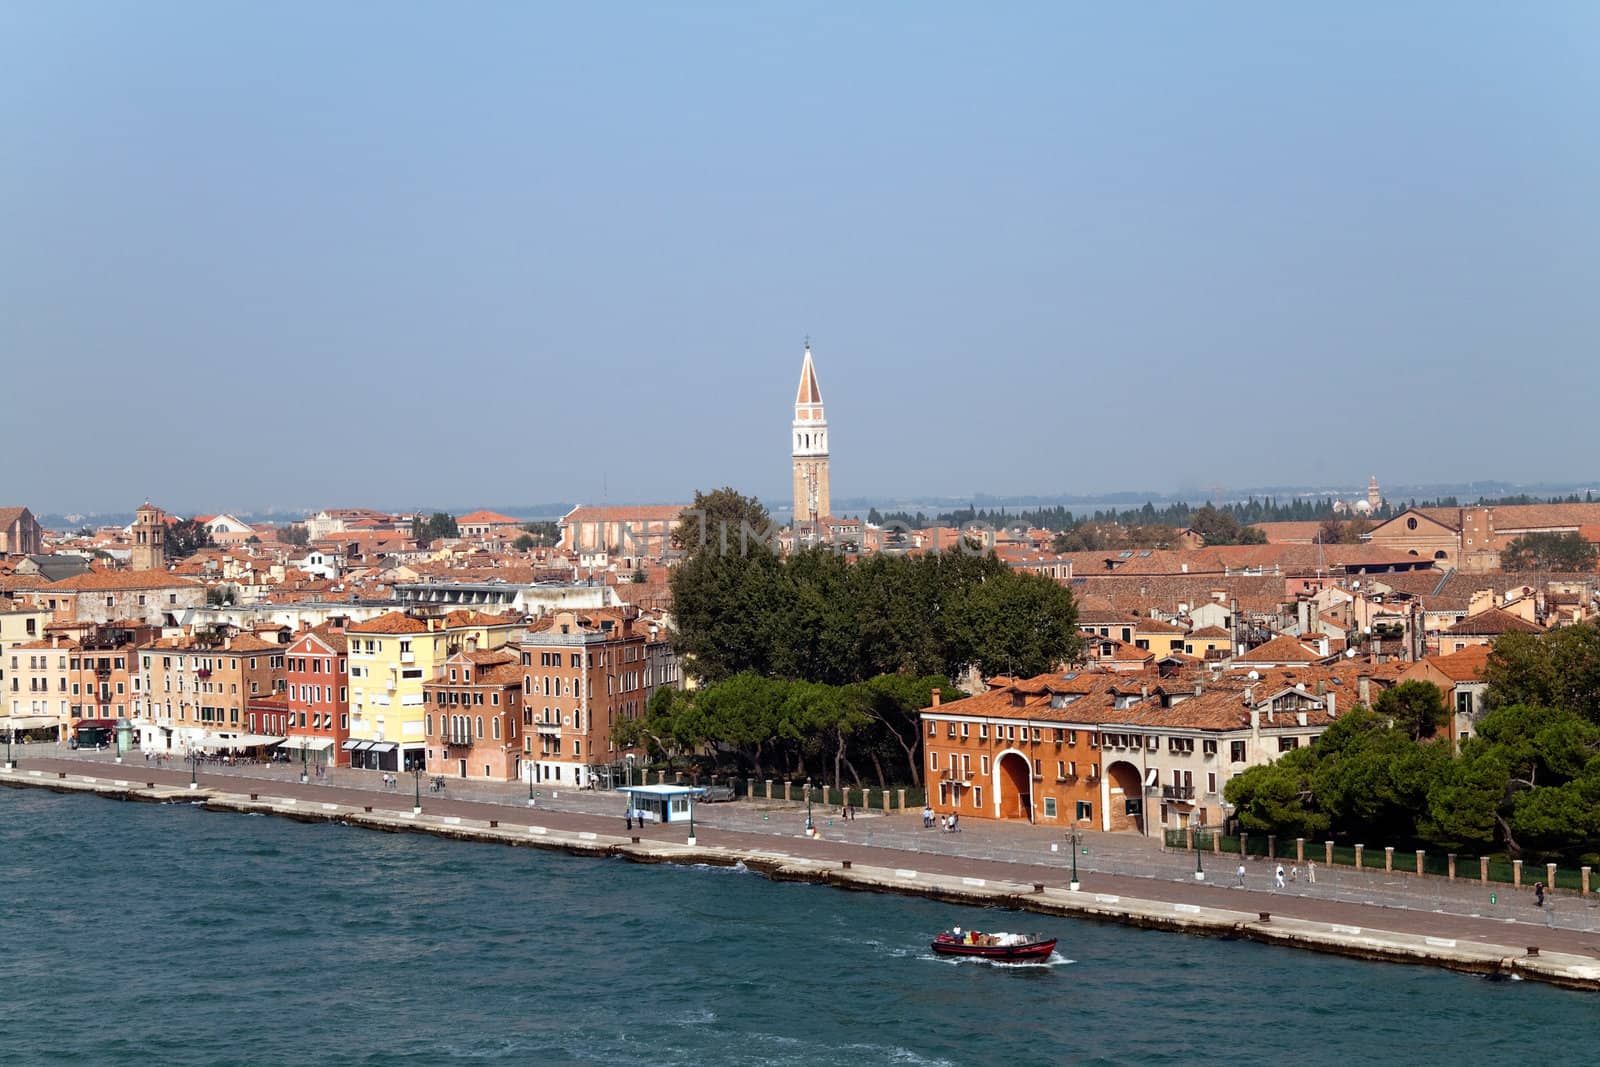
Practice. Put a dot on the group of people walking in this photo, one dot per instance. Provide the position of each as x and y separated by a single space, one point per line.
1278 874
950 824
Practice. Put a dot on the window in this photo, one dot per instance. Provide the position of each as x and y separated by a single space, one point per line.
495 727
984 762
1288 744
1463 702
1049 807
1236 751
1085 811
977 796
963 729
933 761
1211 782
1038 769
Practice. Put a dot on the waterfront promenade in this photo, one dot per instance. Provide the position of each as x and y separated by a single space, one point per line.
1115 865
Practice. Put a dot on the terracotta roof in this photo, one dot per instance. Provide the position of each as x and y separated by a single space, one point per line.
1283 649
631 513
809 392
114 581
486 518
1211 631
467 617
391 622
1491 623
1463 666
10 515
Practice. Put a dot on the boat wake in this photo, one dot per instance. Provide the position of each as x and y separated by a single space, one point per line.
1055 959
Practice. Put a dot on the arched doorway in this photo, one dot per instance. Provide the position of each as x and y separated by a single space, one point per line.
1124 799
1014 786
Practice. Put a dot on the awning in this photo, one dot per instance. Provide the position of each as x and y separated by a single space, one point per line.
247 741
384 746
362 746
349 745
309 744
27 722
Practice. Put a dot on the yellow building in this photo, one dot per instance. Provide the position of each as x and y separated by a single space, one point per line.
1208 642
390 658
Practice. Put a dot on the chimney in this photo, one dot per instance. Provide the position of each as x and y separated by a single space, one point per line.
936 696
1198 688
1249 694
1144 692
1364 690
1333 705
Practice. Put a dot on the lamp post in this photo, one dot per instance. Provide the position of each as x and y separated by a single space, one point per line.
11 728
1199 869
416 777
810 826
194 767
1074 884
304 776
691 818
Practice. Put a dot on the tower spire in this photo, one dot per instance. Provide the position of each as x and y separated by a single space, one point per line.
810 452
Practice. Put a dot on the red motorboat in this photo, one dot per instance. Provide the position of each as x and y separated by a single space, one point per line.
1002 948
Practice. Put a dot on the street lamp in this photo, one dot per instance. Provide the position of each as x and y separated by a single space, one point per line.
1074 885
11 728
416 777
194 767
810 826
304 777
1199 869
691 818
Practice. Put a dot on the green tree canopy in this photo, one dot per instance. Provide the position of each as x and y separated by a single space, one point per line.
1548 552
436 526
1416 707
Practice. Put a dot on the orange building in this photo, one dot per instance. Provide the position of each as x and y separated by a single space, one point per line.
1002 755
474 720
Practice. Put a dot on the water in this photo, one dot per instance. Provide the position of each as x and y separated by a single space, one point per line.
137 934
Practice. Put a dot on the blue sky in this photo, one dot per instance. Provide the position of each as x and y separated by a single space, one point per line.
396 254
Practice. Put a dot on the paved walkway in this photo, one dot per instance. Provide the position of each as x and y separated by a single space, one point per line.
1113 863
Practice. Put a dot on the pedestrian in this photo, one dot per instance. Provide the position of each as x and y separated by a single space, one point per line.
1278 874
1311 872
927 817
1241 874
1294 872
1538 894
628 818
955 822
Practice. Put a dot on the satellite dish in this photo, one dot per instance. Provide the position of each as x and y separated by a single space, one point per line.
1349 653
1254 676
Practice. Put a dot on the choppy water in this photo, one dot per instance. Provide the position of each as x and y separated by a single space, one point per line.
133 934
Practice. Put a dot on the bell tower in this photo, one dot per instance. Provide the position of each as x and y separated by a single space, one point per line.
149 532
810 448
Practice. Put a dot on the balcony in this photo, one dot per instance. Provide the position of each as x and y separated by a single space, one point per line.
549 729
408 657
1177 792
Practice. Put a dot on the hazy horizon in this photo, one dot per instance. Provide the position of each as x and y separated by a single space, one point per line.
356 255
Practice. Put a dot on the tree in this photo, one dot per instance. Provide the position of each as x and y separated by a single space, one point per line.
544 532
723 520
1549 552
523 542
1018 623
437 526
1416 707
1559 669
295 534
1215 526
639 576
1277 797
186 537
